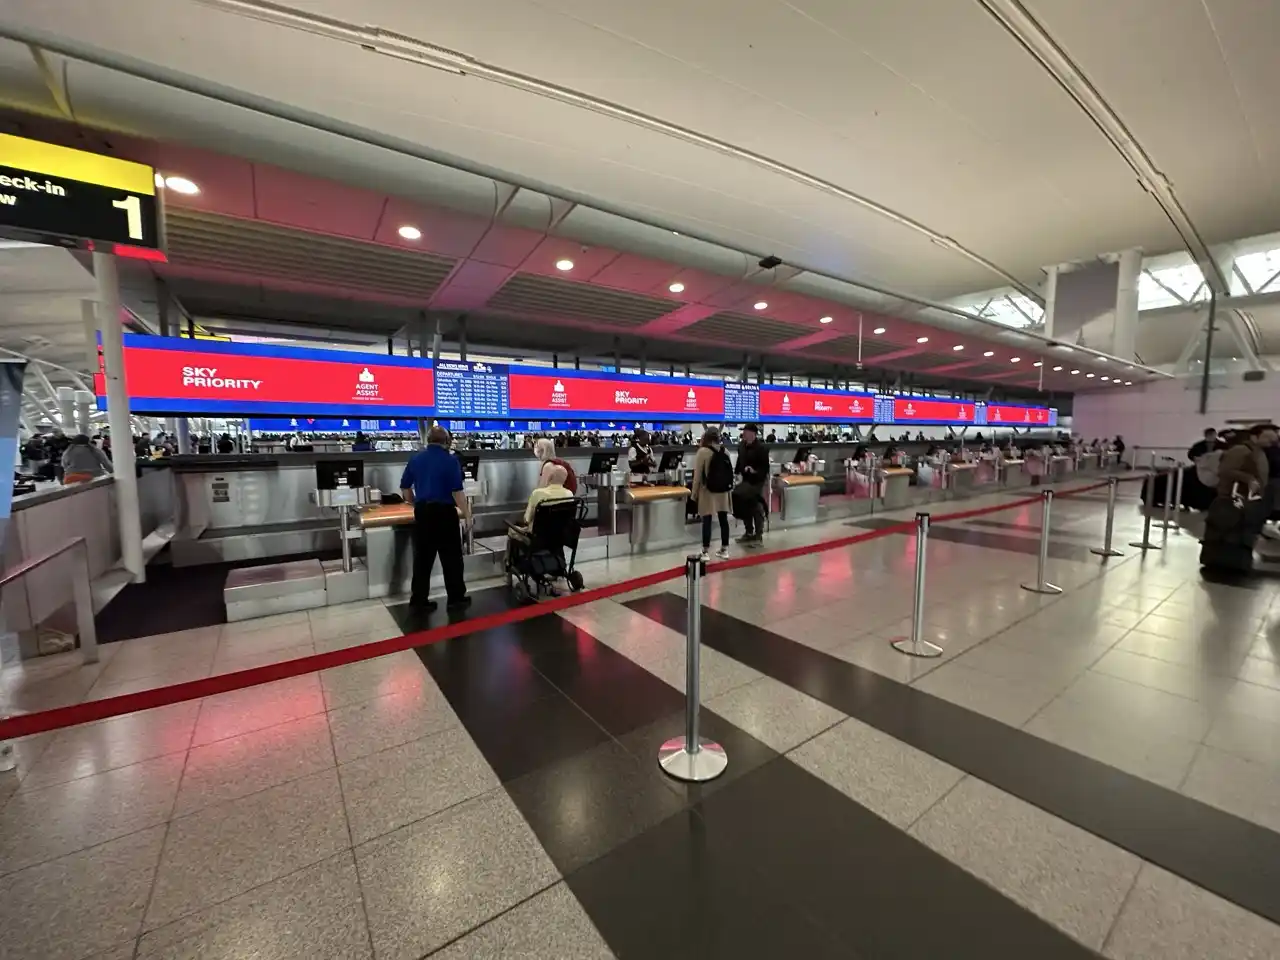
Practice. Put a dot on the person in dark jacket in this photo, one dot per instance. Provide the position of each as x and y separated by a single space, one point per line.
753 468
1207 444
362 443
226 445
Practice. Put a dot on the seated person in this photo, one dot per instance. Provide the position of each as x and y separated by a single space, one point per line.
554 490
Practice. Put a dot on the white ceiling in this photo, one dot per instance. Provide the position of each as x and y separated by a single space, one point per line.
41 290
926 108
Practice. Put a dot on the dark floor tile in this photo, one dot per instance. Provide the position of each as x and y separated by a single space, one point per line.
745 752
871 884
483 603
664 895
617 693
487 671
585 806
992 541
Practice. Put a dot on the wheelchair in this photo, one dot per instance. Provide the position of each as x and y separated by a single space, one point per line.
536 557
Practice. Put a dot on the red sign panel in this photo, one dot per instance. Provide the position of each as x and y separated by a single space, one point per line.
552 394
785 404
909 409
214 380
1017 416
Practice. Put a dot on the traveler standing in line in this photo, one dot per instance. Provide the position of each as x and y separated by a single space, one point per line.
432 482
83 461
712 481
753 467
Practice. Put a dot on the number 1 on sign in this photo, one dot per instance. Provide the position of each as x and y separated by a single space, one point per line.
132 207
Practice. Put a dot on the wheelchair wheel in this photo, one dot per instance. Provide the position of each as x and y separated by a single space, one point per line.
575 580
521 589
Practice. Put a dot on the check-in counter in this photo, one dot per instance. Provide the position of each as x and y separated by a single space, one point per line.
388 550
657 516
961 476
1015 473
1059 468
798 493
895 484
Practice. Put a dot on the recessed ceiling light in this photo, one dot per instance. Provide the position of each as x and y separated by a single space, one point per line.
958 346
1015 359
676 287
761 305
564 265
160 180
410 232
1037 364
1089 376
825 319
1128 383
181 185
1074 372
1056 369
922 339
676 232
878 330
989 353
1106 378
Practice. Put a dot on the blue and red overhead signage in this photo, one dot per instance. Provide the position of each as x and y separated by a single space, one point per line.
1006 415
551 393
169 375
805 405
918 410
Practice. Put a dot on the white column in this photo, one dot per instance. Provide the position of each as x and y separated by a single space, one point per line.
104 270
67 409
1124 325
84 404
1050 297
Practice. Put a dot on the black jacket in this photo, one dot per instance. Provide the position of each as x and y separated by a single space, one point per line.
755 455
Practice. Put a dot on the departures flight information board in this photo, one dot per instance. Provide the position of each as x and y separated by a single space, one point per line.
472 390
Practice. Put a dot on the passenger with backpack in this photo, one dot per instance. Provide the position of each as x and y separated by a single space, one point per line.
712 482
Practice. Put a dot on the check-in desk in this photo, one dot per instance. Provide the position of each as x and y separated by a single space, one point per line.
388 545
895 484
1015 473
657 516
961 476
608 488
798 494
1059 468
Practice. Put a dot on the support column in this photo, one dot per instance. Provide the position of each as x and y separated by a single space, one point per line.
67 409
1050 297
1124 326
84 404
122 461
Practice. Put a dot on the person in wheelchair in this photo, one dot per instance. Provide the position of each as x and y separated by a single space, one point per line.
536 546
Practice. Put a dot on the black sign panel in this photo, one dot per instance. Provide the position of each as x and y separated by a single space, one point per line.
52 191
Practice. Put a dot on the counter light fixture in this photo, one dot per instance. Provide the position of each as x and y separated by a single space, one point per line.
922 339
564 265
410 232
181 185
878 330
676 287
761 305
825 319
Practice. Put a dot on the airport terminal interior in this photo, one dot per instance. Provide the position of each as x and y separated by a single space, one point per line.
541 480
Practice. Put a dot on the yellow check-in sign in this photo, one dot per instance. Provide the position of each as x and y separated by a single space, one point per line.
47 190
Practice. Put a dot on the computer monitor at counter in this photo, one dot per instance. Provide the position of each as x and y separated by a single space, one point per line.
671 460
602 463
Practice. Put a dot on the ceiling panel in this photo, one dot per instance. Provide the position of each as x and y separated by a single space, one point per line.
552 297
736 328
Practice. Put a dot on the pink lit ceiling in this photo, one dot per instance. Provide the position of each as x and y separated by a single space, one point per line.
256 225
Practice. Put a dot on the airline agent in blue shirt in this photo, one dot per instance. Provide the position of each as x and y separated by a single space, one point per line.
432 482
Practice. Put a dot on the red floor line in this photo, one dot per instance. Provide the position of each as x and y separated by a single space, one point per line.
46 720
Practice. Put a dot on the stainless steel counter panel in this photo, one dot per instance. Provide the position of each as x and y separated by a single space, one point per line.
799 496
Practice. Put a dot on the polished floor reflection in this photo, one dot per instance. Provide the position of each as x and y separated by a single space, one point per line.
1088 774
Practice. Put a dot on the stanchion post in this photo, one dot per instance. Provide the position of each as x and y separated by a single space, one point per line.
1145 543
1177 500
1042 585
692 758
1107 551
1165 522
915 645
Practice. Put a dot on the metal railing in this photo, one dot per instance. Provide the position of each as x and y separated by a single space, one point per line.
81 593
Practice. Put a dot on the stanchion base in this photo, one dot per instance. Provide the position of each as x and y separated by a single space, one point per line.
707 764
1098 551
1143 545
1045 587
922 648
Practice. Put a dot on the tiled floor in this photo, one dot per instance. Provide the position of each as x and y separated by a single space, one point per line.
1091 773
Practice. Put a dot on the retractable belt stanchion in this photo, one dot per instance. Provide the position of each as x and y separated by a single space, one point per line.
1164 522
691 757
915 645
1177 499
1107 551
1145 543
1042 585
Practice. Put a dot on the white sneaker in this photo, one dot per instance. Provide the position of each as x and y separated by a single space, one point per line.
722 553
1271 532
704 556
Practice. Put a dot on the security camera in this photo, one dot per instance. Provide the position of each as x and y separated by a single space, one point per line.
768 263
